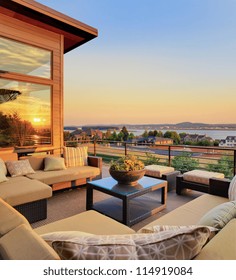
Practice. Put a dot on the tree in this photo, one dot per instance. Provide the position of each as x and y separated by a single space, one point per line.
173 135
224 165
184 162
20 130
145 134
125 133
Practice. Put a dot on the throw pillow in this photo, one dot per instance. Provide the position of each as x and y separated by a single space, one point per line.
3 167
3 177
54 163
165 245
62 235
232 189
220 215
19 167
75 156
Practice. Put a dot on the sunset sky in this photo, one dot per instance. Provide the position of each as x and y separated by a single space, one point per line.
154 61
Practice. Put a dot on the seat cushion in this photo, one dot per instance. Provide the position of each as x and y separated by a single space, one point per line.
201 176
22 243
69 174
10 218
20 190
222 246
155 170
189 213
90 222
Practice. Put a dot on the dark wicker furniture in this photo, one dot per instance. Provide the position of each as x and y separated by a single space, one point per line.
125 203
216 186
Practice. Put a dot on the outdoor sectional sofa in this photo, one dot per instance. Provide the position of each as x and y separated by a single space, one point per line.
180 234
28 193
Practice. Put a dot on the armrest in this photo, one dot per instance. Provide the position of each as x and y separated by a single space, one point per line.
219 187
95 161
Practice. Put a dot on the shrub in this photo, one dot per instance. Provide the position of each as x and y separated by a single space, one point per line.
184 162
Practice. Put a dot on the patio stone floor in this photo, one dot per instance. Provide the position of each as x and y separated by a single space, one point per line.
66 203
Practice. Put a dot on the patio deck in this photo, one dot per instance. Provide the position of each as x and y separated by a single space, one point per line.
70 202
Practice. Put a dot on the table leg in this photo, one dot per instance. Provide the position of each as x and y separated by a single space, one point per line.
163 195
89 197
126 212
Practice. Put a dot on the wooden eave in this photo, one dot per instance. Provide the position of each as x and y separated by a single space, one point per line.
75 32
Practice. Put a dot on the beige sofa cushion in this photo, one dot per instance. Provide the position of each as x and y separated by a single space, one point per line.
37 162
201 176
222 246
90 222
183 244
10 218
69 174
189 213
20 190
155 170
22 243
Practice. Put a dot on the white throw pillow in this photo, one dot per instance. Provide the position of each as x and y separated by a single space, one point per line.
3 178
232 189
183 244
19 167
3 167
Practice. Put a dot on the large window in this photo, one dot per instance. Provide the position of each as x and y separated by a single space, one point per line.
17 57
25 106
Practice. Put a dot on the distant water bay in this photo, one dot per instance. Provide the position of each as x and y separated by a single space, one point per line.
215 134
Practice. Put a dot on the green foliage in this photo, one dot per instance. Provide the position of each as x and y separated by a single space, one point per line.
151 159
224 165
173 135
184 162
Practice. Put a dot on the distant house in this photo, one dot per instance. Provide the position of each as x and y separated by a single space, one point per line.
87 133
229 141
155 140
195 138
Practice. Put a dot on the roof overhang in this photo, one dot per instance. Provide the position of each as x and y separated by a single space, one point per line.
75 32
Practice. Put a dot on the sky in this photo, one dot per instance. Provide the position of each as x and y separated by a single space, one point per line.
154 61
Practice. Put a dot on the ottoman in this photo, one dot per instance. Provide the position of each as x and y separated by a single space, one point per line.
198 180
166 173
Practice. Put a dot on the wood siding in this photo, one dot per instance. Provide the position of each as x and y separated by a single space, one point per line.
23 32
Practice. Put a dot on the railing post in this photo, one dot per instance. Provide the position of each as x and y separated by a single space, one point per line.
234 162
169 156
94 148
125 149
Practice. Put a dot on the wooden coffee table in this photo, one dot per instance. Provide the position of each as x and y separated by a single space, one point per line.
128 204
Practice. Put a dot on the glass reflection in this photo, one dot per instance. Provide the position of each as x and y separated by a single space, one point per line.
25 119
21 58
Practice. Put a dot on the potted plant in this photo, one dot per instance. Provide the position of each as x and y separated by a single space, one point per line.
127 170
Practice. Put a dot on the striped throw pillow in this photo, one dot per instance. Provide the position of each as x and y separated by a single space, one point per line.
75 156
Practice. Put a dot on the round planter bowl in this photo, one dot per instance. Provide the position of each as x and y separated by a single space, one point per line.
127 177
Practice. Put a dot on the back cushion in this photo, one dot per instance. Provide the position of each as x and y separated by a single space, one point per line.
10 218
75 156
37 162
22 243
